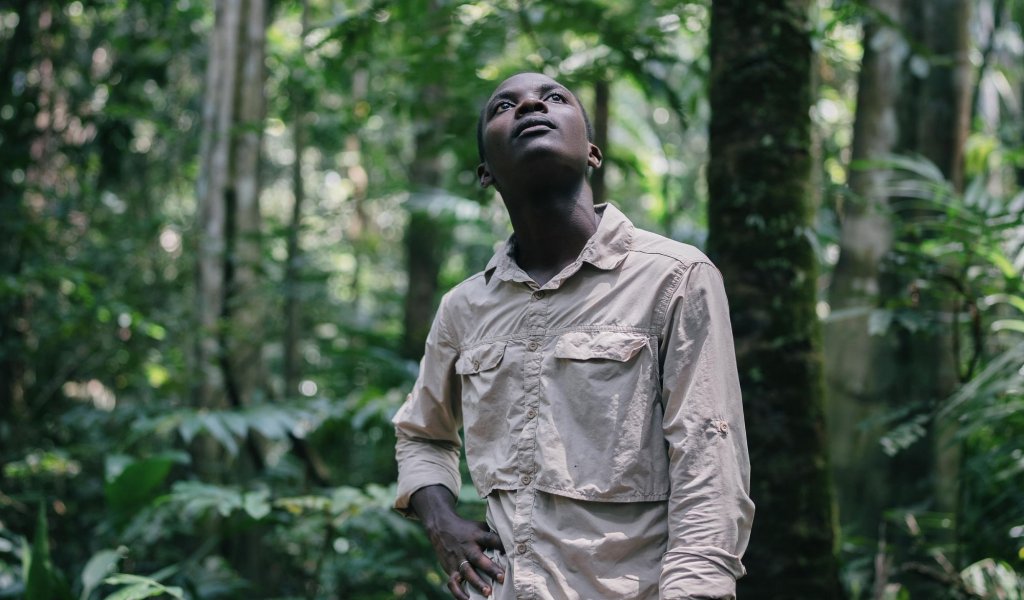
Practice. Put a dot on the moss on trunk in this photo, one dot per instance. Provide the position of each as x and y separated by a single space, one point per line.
759 235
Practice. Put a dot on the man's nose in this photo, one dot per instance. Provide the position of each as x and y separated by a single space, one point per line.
529 105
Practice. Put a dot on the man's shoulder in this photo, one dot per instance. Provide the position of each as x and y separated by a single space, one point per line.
661 248
468 287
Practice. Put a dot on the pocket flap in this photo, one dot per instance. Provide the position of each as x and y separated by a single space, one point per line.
609 345
480 358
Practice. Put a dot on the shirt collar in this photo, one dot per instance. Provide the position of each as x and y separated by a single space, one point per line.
606 250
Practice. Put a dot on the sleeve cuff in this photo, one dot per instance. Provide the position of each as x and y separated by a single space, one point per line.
421 464
699 573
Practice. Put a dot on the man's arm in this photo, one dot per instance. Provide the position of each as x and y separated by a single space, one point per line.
427 450
459 543
710 511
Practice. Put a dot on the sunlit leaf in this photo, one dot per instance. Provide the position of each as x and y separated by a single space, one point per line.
99 567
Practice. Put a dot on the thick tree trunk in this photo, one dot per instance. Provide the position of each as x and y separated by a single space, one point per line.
853 357
934 124
759 218
915 105
17 133
429 233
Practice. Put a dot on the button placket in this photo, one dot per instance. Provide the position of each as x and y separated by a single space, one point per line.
522 534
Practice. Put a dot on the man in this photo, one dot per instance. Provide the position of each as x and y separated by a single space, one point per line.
591 366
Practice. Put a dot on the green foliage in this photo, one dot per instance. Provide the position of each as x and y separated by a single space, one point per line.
143 493
969 250
135 587
95 572
133 483
42 580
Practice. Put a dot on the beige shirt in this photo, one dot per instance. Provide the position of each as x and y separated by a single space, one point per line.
602 417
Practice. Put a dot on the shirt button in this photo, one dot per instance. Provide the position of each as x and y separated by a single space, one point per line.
538 295
476 364
526 479
531 413
520 548
533 346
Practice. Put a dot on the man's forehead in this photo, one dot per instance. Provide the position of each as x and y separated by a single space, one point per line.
528 80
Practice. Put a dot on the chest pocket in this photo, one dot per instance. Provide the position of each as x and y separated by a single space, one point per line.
490 384
480 358
609 345
603 419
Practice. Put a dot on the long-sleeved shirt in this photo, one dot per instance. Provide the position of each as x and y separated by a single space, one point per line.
602 419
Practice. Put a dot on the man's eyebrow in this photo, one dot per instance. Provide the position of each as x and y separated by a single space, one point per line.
503 95
511 97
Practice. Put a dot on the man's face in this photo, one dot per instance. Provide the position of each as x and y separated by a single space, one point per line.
531 124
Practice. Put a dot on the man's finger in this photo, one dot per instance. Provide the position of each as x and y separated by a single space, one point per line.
474 579
455 587
489 567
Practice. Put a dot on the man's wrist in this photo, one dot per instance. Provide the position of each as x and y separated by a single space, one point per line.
433 505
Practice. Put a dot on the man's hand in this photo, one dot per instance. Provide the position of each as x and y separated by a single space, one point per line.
459 543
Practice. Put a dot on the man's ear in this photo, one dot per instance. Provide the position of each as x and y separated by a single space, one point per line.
595 157
484 175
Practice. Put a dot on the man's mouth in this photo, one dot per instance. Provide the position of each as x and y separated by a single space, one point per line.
532 126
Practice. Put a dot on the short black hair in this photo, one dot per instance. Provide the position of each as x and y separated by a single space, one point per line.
483 114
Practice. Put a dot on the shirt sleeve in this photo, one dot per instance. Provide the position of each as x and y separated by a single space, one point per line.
427 424
709 509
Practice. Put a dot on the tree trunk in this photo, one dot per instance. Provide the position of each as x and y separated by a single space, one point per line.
759 220
943 108
17 132
915 107
229 345
428 238
430 231
292 308
229 365
934 123
853 356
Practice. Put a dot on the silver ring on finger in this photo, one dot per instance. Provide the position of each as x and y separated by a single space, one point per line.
461 564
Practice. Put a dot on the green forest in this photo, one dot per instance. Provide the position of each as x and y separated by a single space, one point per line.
225 227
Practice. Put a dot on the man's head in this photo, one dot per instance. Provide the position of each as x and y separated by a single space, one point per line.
531 119
483 111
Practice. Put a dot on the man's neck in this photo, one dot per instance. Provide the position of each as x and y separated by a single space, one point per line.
551 227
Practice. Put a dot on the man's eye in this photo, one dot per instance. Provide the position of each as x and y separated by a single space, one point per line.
556 97
502 105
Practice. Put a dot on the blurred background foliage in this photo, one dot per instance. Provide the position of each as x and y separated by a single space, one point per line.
119 477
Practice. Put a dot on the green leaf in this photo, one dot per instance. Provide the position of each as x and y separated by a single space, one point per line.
140 481
1009 325
197 498
215 425
42 581
235 422
135 592
274 424
879 321
256 505
99 566
189 427
1014 301
138 587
